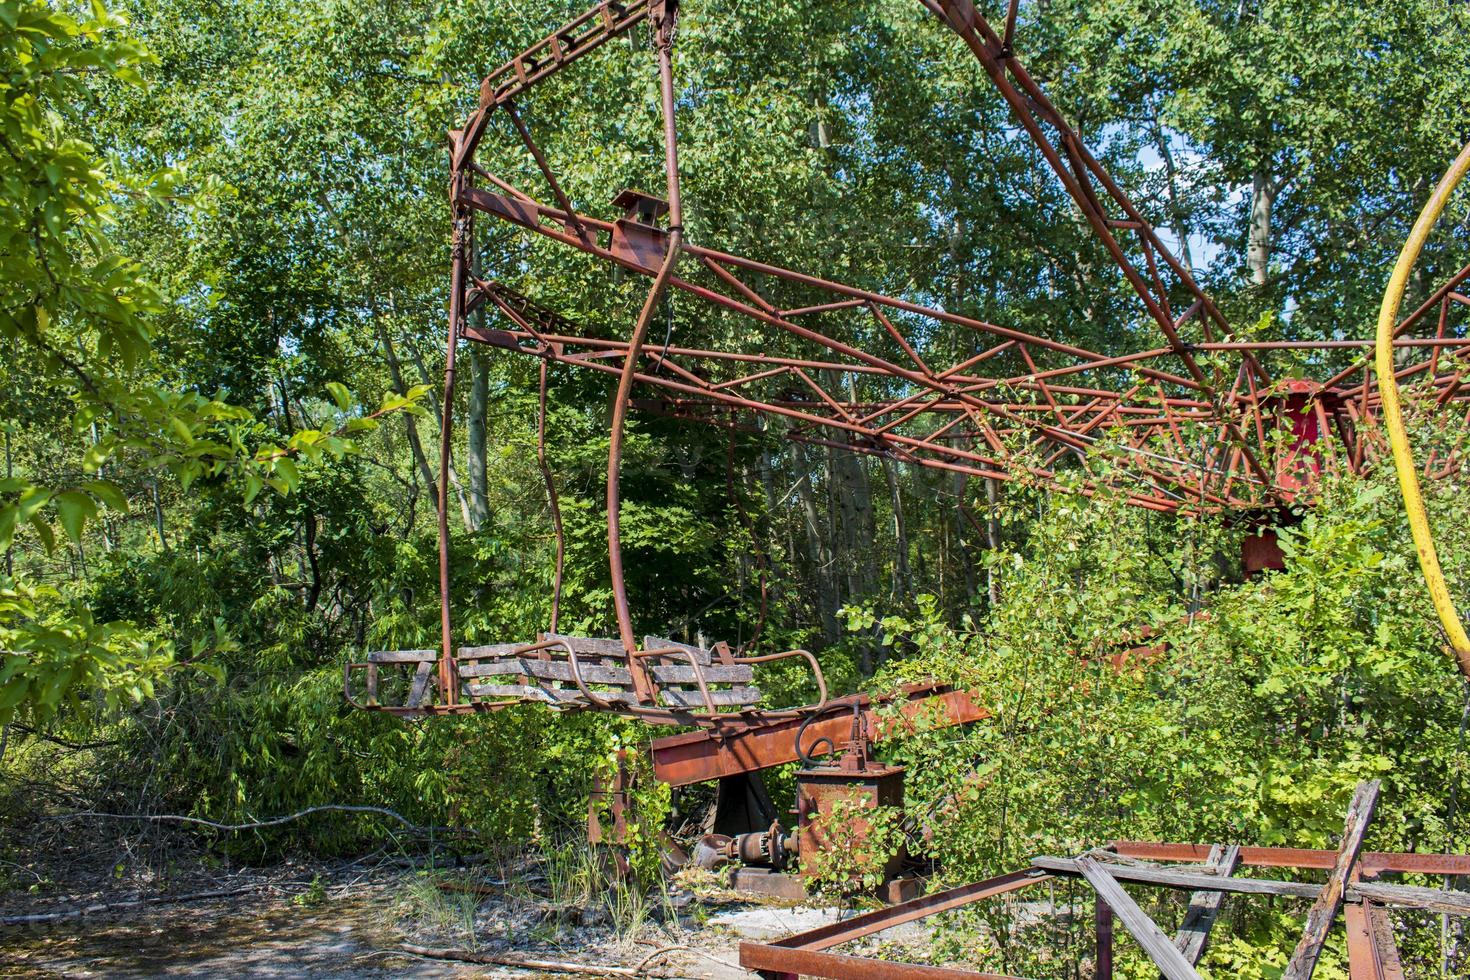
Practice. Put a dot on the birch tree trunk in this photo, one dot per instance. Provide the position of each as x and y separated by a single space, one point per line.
902 580
817 549
476 419
1258 242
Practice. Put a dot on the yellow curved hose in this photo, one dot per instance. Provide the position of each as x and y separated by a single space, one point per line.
1393 419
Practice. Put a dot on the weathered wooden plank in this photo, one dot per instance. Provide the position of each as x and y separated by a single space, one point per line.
658 642
1324 910
718 674
1187 880
551 670
677 697
1165 955
591 646
561 670
1414 897
549 695
401 656
420 684
1204 906
493 650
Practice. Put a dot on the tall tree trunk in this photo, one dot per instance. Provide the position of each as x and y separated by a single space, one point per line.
476 419
418 363
817 549
1178 218
10 474
960 484
410 421
773 504
1258 243
902 580
478 437
992 540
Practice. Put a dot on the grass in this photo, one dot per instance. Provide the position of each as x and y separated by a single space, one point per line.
444 910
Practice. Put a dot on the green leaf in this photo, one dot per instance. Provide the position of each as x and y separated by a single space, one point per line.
107 492
44 532
287 470
340 394
181 429
75 508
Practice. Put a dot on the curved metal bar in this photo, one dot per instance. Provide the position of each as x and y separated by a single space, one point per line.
347 670
561 541
664 41
577 676
816 672
699 678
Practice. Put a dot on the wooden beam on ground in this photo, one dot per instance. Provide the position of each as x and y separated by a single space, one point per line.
1324 910
1204 906
1165 955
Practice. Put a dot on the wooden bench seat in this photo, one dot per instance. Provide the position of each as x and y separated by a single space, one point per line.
541 672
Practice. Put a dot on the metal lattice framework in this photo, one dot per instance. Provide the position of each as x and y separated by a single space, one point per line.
1198 419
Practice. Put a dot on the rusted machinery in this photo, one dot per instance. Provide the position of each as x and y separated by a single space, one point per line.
1196 420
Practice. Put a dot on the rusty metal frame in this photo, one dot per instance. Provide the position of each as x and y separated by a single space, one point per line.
1194 423
1370 945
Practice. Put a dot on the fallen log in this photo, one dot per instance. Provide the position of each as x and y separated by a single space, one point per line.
523 962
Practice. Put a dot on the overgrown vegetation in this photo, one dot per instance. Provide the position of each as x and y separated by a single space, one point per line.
223 240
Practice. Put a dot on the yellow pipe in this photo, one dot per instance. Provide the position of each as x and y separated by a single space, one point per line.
1393 419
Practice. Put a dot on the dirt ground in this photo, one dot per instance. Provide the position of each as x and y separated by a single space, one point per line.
352 921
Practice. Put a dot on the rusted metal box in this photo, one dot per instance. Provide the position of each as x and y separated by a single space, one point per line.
818 789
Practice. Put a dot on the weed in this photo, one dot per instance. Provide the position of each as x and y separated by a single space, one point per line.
315 894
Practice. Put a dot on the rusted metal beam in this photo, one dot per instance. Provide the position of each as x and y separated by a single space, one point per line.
1371 862
1372 954
696 757
776 961
563 46
804 954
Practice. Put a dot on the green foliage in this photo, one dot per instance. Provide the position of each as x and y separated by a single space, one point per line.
1249 720
858 842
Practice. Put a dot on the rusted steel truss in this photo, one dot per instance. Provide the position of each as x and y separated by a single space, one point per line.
1194 420
1181 413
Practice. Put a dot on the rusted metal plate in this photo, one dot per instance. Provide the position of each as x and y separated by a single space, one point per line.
764 881
818 791
695 757
1372 954
639 245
